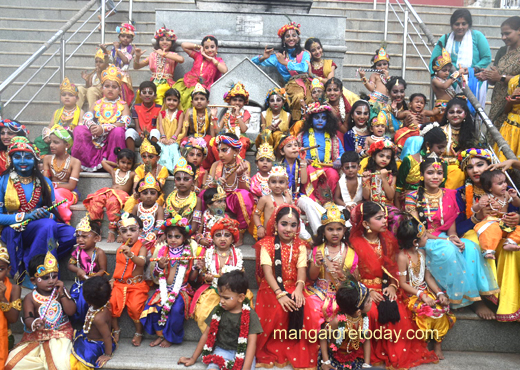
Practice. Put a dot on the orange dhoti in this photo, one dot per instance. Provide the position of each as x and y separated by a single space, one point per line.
111 199
490 234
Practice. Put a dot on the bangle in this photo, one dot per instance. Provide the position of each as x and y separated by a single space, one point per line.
5 306
276 290
440 293
19 216
395 286
282 294
325 362
214 118
174 137
163 136
32 325
300 281
364 79
259 226
418 294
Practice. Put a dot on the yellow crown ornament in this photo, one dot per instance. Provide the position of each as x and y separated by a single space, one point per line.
238 89
147 147
4 254
199 89
183 166
381 55
317 84
50 264
126 220
100 54
67 86
278 171
333 214
84 225
442 60
219 195
111 74
265 151
149 182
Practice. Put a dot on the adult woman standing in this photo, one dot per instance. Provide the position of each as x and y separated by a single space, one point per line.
24 195
292 62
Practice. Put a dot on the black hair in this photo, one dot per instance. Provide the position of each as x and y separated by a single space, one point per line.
415 95
138 220
156 43
396 80
334 80
512 22
18 133
407 232
148 84
370 209
205 93
185 233
138 182
374 58
97 291
331 127
211 38
347 296
420 190
285 105
350 120
319 238
285 211
435 136
486 179
297 48
124 153
467 138
172 92
461 13
310 41
208 195
391 167
349 156
235 280
35 261
95 226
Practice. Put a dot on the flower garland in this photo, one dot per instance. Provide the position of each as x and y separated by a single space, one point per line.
314 152
167 300
207 353
35 197
342 112
212 263
469 200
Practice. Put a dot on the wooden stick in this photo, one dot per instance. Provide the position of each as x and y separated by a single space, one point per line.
220 106
309 148
177 258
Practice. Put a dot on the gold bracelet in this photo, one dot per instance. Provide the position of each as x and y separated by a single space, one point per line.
17 305
5 306
395 286
280 295
364 79
300 281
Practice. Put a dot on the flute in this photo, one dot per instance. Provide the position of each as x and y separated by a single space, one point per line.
371 70
126 243
20 225
176 258
221 106
309 148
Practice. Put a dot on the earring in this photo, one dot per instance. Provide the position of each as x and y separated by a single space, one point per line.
427 150
276 232
369 230
421 178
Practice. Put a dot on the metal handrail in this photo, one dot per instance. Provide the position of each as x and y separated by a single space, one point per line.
59 35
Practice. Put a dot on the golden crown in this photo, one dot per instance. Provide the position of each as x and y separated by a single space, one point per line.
126 220
381 55
265 151
442 60
100 54
333 214
219 195
50 264
183 166
4 253
199 89
237 89
147 147
278 171
149 182
317 84
84 224
67 86
111 74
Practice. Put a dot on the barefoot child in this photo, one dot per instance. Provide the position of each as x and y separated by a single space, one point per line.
67 117
351 351
349 190
236 344
376 84
86 262
442 83
63 170
215 201
377 128
380 174
129 288
47 329
169 124
91 92
429 304
490 209
113 198
10 304
148 210
164 312
264 163
275 119
94 345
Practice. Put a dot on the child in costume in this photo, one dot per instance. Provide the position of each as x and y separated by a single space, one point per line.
10 304
509 129
380 174
317 91
92 92
358 131
195 151
442 83
144 115
129 288
429 304
94 346
67 117
64 175
207 68
264 163
169 123
417 111
490 209
236 121
103 127
377 130
281 303
8 130
349 191
183 201
397 88
339 103
113 198
351 350
161 61
232 173
150 153
148 210
215 202
235 348
121 55
330 262
87 261
275 119
223 257
165 310
376 84
47 338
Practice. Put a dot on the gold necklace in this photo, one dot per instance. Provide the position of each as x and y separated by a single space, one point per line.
26 180
433 196
317 65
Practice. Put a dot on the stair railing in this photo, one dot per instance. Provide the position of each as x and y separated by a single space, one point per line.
406 7
510 4
63 56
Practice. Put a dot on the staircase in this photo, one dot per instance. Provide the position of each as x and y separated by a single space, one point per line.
471 344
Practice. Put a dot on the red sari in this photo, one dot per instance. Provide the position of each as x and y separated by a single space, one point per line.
373 261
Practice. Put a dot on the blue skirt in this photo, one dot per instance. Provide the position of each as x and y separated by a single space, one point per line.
88 351
76 292
173 330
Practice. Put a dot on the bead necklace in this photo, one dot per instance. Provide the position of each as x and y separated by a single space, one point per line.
338 256
318 64
89 317
377 138
502 203
170 118
60 171
121 180
68 115
416 270
159 69
427 198
274 201
228 171
360 131
147 216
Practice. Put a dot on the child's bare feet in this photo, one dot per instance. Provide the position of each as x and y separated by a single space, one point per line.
511 247
438 350
156 342
165 344
111 236
483 311
137 339
490 255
